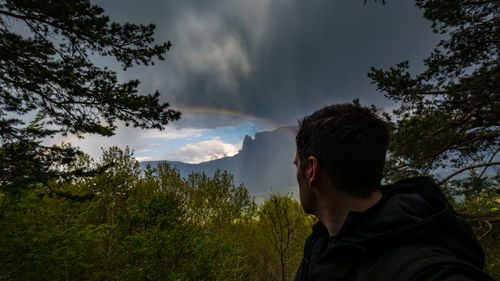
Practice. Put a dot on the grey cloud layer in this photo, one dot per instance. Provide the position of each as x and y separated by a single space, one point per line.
276 59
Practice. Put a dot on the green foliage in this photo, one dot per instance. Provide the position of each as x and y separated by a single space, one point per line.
217 201
48 68
43 237
450 112
145 225
471 186
25 164
282 229
482 210
221 209
159 245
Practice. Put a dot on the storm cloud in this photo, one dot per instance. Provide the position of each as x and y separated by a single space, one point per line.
238 67
274 59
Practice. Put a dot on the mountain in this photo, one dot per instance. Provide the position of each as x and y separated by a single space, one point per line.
264 163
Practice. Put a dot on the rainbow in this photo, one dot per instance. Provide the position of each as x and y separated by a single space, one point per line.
204 111
200 111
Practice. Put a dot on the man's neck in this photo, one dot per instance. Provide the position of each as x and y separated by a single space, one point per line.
333 212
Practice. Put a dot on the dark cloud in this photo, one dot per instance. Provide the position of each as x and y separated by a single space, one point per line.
275 59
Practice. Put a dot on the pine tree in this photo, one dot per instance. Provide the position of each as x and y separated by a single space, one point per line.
48 68
449 115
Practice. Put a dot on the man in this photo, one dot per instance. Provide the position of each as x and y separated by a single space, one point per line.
405 231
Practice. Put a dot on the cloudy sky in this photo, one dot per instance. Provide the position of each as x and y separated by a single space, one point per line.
242 66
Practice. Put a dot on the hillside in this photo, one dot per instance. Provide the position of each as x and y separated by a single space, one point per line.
263 164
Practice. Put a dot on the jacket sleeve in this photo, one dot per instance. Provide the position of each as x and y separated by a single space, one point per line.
451 272
298 275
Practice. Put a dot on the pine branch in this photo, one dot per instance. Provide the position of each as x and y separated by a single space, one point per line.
468 168
491 159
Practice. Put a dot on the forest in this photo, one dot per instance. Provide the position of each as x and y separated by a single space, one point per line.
156 225
149 225
66 216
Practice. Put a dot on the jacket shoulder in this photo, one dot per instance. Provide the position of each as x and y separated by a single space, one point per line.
416 262
426 262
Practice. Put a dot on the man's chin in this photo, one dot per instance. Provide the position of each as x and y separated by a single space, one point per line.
307 210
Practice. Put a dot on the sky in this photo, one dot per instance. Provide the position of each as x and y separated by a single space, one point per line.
238 67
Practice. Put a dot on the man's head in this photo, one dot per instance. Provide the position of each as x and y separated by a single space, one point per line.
349 143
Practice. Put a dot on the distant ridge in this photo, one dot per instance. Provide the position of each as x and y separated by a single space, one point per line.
263 164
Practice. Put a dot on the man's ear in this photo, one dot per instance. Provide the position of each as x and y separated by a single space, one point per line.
313 170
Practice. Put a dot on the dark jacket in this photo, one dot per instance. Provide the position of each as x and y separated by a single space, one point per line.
412 233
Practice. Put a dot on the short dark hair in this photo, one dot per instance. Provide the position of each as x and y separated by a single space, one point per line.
350 143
